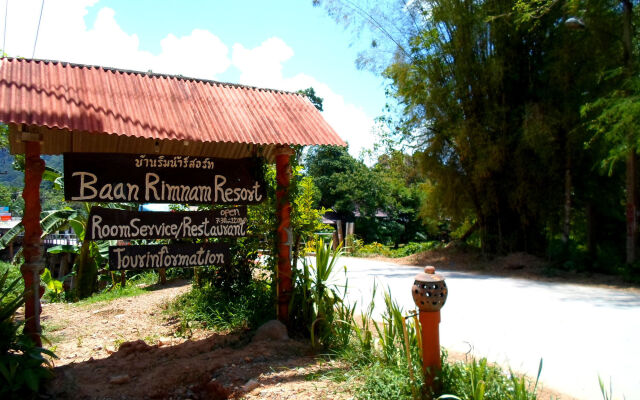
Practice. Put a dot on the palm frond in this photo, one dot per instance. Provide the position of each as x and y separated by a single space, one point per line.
11 235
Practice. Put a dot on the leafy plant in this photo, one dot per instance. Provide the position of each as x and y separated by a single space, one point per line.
211 307
319 297
54 287
23 365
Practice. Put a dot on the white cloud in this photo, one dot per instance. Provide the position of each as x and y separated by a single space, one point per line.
65 36
262 66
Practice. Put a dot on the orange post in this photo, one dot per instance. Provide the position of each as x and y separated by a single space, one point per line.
430 324
283 213
429 292
32 250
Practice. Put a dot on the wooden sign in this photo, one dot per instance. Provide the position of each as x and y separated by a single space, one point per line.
153 178
181 255
107 223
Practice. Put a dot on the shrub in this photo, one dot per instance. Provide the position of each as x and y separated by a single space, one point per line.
23 365
216 308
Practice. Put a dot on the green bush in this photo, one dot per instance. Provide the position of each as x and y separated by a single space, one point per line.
213 307
403 250
13 274
414 248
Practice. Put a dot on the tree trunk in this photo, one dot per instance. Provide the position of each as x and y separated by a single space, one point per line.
566 225
631 207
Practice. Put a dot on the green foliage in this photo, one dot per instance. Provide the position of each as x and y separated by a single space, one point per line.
13 274
54 288
23 366
501 99
315 301
11 197
386 196
615 118
408 249
211 307
478 380
383 381
305 218
329 166
323 296
313 98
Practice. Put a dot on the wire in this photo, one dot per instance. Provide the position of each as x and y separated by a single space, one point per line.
4 36
37 30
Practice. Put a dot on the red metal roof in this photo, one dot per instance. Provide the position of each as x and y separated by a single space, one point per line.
153 106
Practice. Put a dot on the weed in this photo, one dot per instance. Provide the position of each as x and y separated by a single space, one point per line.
118 342
151 339
607 393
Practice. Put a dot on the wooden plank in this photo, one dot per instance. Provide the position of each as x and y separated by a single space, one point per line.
182 255
109 223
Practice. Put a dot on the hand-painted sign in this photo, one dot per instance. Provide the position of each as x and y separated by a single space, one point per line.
168 255
153 178
108 223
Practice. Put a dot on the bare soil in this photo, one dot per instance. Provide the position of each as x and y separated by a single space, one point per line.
128 349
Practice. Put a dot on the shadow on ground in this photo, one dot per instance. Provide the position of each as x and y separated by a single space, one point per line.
217 367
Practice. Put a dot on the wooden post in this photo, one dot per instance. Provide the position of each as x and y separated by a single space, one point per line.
283 214
32 250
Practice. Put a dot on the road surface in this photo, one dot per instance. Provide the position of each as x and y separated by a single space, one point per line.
580 332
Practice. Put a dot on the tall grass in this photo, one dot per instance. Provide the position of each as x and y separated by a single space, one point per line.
386 361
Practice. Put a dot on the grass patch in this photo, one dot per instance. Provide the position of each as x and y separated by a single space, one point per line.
134 287
210 307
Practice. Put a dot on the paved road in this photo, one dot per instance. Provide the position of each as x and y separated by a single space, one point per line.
580 332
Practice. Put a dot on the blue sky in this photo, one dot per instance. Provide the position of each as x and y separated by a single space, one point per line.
282 44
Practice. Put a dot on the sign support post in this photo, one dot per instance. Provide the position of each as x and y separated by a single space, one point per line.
283 214
32 250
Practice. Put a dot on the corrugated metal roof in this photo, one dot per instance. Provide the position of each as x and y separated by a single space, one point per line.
99 100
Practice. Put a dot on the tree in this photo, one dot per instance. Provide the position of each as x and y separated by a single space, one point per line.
328 165
490 94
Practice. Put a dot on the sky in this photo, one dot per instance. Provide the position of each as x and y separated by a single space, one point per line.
279 44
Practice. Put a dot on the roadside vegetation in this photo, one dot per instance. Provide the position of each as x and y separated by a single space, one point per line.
23 365
384 357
